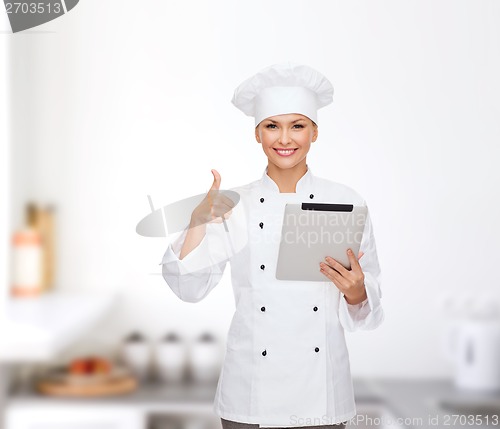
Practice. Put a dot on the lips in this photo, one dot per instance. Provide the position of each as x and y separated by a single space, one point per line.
285 152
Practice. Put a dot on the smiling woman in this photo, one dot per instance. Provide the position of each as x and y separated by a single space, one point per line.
286 140
286 361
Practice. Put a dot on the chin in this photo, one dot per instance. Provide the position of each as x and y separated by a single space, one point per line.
284 165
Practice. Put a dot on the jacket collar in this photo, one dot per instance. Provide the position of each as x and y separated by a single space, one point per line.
303 185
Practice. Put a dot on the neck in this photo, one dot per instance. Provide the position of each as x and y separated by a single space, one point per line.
287 178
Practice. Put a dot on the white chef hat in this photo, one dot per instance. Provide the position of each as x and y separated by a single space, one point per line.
283 88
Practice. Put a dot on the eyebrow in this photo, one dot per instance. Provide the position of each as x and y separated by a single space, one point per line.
293 122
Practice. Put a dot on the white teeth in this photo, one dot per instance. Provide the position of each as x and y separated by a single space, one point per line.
285 152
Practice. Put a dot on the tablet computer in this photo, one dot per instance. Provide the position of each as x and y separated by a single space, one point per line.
312 231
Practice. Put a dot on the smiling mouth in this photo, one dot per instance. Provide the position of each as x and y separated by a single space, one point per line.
285 152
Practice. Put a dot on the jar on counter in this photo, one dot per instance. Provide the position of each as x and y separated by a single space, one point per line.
136 355
205 359
171 358
27 273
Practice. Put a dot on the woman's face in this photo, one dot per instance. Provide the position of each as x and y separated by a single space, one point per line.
286 139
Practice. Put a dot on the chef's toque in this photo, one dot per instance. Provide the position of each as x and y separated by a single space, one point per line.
283 88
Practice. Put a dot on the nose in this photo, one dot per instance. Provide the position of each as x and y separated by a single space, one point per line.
284 138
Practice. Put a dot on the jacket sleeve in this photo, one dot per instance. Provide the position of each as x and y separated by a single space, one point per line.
193 277
368 314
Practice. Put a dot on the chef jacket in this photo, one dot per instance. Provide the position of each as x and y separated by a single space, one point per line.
286 362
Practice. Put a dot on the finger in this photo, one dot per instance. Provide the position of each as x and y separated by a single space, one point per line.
223 201
353 260
217 180
217 216
228 201
337 266
213 192
217 219
220 209
212 210
209 197
333 275
360 254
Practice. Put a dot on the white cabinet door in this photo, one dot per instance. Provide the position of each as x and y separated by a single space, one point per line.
73 417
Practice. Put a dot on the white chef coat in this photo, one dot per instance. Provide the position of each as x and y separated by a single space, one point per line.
286 361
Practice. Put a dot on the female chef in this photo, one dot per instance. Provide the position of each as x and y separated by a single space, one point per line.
286 361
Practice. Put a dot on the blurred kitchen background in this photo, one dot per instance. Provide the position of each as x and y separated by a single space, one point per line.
118 100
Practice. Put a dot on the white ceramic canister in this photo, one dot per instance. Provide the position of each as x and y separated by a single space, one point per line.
170 358
136 354
473 345
205 359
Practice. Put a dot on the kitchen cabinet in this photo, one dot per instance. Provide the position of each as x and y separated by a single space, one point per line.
156 405
380 403
54 416
153 405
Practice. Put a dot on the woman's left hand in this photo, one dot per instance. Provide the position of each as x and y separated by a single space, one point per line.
350 282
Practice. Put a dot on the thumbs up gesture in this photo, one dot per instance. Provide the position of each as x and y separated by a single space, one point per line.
214 207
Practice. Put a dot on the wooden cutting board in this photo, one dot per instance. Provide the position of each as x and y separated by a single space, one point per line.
117 385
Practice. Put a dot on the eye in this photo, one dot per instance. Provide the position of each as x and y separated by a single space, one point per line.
299 125
270 125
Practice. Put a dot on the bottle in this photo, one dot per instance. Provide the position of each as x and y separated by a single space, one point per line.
27 257
46 228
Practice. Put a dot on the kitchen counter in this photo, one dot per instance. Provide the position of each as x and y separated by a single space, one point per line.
149 396
431 403
38 329
416 403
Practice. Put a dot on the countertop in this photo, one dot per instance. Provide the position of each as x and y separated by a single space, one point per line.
416 403
37 329
430 403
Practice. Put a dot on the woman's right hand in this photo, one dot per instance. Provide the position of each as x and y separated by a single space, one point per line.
214 207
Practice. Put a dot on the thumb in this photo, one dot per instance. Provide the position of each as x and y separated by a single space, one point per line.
217 179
